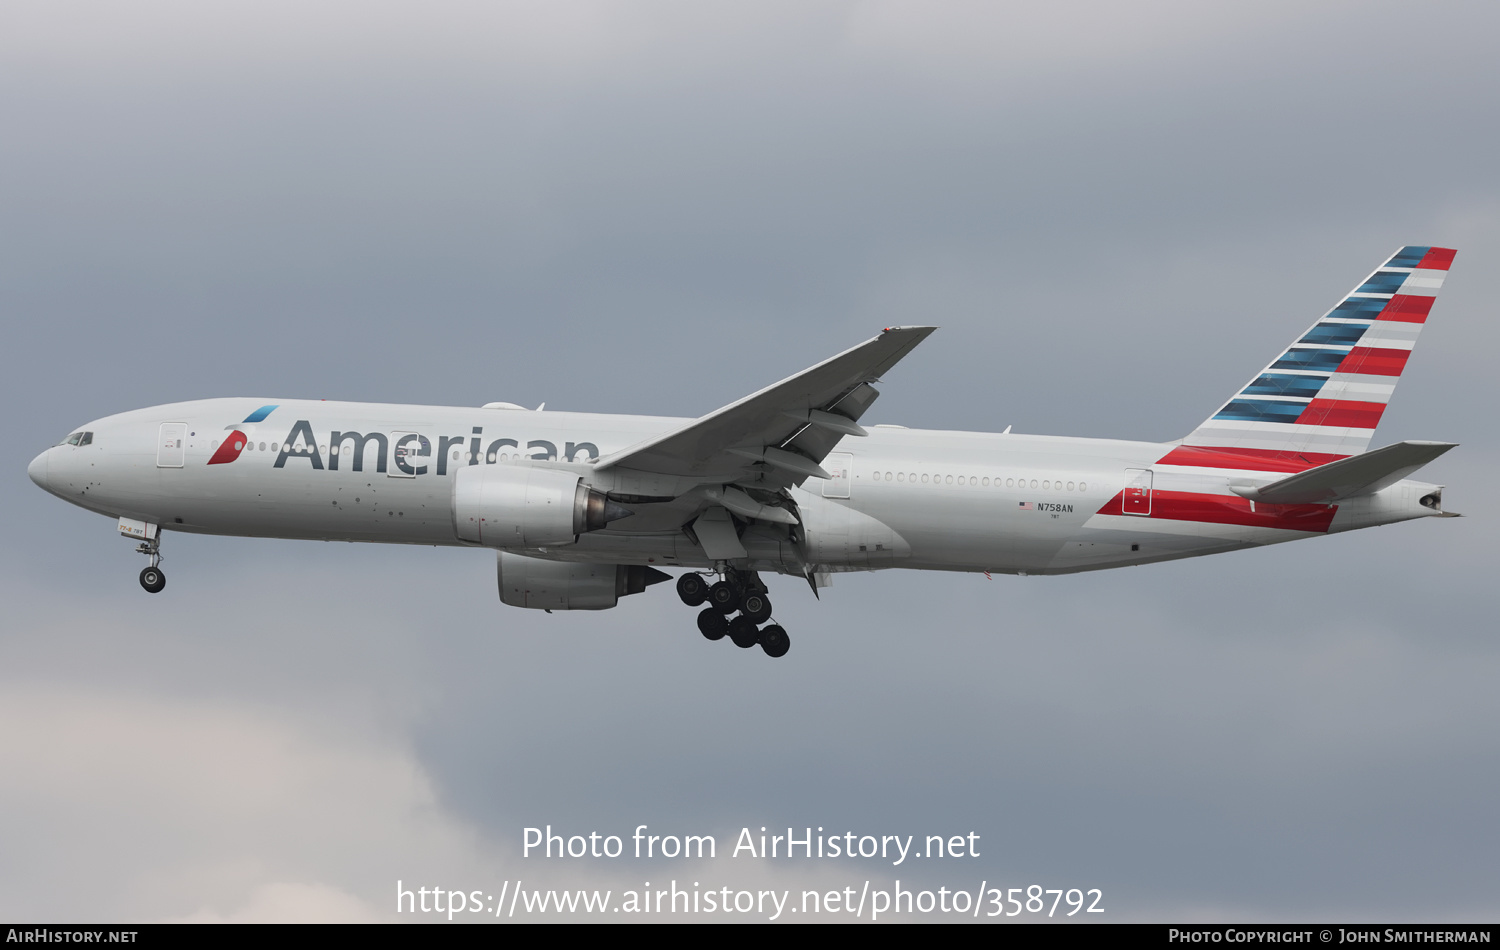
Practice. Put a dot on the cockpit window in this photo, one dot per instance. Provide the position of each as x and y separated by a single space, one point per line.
73 439
88 439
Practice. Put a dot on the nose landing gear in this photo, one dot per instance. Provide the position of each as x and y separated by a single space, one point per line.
152 577
740 591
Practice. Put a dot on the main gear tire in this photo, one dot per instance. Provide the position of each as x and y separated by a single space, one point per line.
692 589
774 640
712 624
743 632
756 606
725 597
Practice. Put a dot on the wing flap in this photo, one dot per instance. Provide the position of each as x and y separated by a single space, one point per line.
717 537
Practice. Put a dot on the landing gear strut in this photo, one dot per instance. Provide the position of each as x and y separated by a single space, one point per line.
740 591
152 577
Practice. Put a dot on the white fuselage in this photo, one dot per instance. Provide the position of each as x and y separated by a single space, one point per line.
926 499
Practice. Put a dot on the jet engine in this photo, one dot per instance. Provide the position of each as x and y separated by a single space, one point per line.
524 506
564 585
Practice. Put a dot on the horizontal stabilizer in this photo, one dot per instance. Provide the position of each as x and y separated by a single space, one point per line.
1357 475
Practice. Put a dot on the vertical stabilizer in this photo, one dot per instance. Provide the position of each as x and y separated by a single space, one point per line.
1321 399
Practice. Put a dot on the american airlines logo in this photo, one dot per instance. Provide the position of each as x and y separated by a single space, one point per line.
410 452
235 442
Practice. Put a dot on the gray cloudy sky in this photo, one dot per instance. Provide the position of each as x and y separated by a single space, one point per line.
1116 213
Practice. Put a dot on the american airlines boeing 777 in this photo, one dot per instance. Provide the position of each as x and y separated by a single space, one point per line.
584 508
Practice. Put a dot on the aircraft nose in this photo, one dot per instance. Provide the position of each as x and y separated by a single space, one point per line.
38 469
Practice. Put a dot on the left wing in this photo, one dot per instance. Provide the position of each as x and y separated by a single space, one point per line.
777 437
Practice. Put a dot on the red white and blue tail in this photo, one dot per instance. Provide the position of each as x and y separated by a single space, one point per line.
1321 399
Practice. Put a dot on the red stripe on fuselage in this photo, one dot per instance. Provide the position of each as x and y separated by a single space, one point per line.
1375 362
1342 413
1229 509
1252 460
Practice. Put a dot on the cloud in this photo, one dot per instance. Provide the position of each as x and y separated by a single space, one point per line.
289 903
195 809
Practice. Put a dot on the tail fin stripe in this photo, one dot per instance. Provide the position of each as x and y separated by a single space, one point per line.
1355 306
1411 257
1341 413
1316 360
1383 282
1360 388
1423 283
1365 361
1392 335
1285 384
1407 308
1339 334
1263 410
1438 258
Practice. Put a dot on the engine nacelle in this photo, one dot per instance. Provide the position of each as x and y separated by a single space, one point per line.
564 585
525 506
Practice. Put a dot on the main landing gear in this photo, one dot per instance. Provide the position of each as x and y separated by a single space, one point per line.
740 591
152 577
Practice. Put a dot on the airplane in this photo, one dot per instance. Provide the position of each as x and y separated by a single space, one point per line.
584 508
